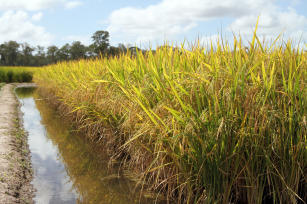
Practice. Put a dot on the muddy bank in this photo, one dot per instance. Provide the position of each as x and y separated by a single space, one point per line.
15 166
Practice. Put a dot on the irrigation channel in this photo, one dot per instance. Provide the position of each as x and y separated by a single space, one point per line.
66 169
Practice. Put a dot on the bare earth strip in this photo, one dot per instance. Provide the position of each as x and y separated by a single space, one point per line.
15 167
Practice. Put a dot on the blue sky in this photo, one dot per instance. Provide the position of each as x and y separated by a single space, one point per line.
144 22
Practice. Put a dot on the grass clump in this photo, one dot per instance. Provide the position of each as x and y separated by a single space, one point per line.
16 74
218 125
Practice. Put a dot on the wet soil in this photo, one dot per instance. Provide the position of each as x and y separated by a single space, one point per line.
15 166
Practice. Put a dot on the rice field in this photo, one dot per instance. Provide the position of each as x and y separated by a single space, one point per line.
224 124
16 74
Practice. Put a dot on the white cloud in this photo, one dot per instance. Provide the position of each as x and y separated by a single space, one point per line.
170 18
272 22
73 4
34 5
37 16
18 26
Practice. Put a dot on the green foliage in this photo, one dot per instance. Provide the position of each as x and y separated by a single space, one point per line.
208 125
13 53
16 74
100 41
9 52
77 50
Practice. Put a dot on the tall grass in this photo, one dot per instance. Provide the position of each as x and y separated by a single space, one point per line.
16 74
217 125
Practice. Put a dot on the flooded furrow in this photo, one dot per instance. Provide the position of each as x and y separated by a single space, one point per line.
66 169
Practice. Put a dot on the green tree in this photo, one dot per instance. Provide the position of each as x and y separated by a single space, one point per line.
64 52
100 42
40 57
122 47
2 54
114 51
26 54
9 53
52 54
77 50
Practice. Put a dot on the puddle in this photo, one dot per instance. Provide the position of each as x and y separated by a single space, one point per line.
66 169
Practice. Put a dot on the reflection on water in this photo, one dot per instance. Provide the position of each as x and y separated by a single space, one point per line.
50 178
66 169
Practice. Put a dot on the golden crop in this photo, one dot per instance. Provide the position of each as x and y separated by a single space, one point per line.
218 124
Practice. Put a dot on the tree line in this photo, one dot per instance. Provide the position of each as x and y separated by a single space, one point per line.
13 53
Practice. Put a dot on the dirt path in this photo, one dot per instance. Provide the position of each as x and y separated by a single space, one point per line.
15 168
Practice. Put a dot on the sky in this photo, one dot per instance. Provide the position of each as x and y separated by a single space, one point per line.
149 22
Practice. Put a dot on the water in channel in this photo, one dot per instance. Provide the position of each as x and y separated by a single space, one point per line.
66 169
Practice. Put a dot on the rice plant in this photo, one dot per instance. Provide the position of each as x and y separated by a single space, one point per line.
16 74
203 125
